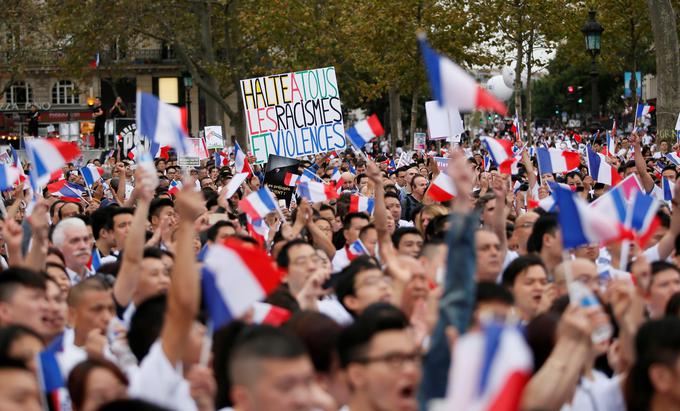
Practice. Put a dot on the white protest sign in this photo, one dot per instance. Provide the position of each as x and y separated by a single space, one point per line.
213 137
196 148
293 114
419 141
443 123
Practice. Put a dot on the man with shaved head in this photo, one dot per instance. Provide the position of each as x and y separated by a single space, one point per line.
582 270
524 224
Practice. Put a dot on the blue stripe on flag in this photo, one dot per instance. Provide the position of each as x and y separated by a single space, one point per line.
544 162
303 191
213 300
569 218
355 138
641 207
4 180
266 199
432 59
147 113
492 334
50 372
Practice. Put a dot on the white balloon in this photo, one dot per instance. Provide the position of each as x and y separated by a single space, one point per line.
508 73
497 87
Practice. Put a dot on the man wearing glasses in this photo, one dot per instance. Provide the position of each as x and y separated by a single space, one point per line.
381 360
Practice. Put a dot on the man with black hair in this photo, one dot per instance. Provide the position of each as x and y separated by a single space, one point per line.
19 389
653 383
90 308
527 279
393 204
23 300
361 284
664 282
104 242
407 241
161 209
352 225
270 370
381 360
220 231
546 241
119 223
301 262
174 354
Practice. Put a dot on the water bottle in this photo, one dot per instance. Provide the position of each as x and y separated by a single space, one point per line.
584 297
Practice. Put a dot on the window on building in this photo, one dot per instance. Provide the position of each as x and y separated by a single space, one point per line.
19 93
64 92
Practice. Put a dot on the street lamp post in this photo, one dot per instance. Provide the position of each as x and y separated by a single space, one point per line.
592 31
188 83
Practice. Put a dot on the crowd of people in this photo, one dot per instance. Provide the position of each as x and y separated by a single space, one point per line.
111 286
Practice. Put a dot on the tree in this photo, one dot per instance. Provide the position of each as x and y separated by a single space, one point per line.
664 26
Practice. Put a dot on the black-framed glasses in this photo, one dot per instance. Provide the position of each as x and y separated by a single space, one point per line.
393 360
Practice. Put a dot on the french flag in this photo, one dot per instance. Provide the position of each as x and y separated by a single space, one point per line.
309 175
600 170
258 204
364 131
610 149
453 87
221 159
240 160
581 224
91 174
490 369
500 150
361 204
442 188
66 191
162 123
643 110
9 175
336 174
643 217
317 192
333 154
50 378
95 261
356 249
48 156
614 202
264 313
552 160
668 188
516 128
17 163
234 276
673 158
547 204
291 180
174 187
257 229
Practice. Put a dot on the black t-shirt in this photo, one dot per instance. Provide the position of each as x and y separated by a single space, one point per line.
100 119
116 111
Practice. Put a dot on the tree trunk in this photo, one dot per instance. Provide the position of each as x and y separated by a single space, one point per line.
395 116
633 55
664 26
519 43
414 113
530 55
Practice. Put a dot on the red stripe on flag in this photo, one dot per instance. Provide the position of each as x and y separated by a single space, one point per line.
572 159
375 125
508 398
488 101
184 115
353 204
259 263
438 194
276 316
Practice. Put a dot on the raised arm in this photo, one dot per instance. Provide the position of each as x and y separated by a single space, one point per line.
40 227
184 292
640 166
126 282
457 301
667 243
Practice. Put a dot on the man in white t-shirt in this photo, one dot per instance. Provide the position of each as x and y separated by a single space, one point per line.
166 338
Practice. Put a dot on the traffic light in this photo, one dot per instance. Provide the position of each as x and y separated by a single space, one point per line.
580 100
570 89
